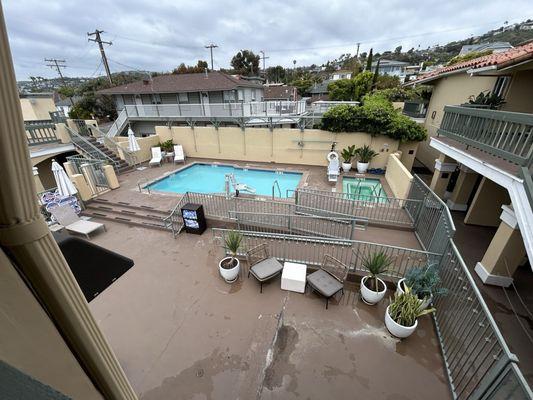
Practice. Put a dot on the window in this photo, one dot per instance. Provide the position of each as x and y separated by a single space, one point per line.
253 94
229 96
156 99
240 95
183 98
500 87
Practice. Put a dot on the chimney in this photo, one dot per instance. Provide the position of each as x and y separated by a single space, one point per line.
206 76
146 81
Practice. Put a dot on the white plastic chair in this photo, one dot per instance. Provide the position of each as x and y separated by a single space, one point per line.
156 157
179 156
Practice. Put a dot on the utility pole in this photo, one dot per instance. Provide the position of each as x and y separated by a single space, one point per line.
357 52
99 40
263 58
57 65
211 47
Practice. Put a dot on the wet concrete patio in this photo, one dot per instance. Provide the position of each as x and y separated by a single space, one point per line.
181 332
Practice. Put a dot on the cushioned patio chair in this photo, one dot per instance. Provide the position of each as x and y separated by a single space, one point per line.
179 155
329 279
156 156
67 217
261 265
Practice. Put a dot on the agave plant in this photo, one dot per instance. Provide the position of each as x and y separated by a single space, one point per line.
233 242
377 264
406 308
424 281
365 154
348 153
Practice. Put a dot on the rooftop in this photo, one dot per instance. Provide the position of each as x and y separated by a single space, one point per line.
496 61
175 83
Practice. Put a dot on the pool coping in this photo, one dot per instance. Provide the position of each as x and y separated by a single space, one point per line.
302 183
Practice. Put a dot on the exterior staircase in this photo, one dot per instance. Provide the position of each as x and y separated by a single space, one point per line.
129 214
121 166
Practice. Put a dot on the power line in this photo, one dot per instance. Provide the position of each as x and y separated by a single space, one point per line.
56 64
211 47
100 42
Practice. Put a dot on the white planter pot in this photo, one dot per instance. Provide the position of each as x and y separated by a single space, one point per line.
362 167
229 275
346 167
369 296
396 329
423 303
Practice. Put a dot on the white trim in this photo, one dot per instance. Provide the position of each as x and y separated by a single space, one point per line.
473 71
508 216
35 171
445 167
489 279
52 150
514 185
456 207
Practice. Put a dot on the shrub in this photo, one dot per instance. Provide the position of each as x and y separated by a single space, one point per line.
375 116
167 145
406 308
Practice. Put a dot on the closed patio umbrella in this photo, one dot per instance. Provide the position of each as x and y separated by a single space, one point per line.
132 141
64 186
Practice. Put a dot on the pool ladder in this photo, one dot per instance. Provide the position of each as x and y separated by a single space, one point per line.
274 185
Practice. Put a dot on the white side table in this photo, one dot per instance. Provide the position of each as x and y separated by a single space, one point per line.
293 277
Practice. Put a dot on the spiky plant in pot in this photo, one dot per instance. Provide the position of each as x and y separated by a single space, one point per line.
232 242
424 281
348 153
406 308
376 264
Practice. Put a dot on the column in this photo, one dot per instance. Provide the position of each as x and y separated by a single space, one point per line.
505 253
444 166
38 184
486 205
463 189
111 177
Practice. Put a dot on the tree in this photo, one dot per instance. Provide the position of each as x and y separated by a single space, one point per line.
369 61
275 74
341 90
376 74
398 50
66 91
245 62
362 85
189 69
387 82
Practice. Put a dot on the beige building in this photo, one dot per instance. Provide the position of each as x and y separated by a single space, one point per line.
37 106
482 158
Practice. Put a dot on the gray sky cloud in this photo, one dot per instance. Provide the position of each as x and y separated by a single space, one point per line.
159 35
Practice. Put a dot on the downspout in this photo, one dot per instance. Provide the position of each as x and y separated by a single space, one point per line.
26 239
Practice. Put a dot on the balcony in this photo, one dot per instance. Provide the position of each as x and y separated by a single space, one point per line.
502 134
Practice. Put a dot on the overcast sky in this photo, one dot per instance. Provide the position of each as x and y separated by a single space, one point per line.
158 35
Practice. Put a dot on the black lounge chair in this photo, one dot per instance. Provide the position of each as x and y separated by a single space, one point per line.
329 279
261 265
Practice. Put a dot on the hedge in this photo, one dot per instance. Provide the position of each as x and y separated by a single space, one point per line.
376 116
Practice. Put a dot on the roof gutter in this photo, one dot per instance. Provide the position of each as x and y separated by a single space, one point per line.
474 71
434 77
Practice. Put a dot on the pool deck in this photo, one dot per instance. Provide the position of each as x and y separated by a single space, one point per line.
180 332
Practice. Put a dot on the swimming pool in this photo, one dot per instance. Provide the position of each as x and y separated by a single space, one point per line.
365 189
210 178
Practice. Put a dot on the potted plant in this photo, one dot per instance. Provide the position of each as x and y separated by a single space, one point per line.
372 288
347 155
424 282
365 154
401 316
167 146
229 267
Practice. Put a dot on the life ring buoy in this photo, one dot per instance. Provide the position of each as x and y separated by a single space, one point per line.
332 155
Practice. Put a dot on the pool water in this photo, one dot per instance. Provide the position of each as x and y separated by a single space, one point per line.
364 189
210 178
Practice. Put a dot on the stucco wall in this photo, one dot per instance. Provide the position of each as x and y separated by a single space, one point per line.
450 90
398 177
281 145
145 143
520 92
37 108
32 344
486 206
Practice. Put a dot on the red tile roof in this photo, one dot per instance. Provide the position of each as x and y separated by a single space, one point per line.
280 92
176 83
499 60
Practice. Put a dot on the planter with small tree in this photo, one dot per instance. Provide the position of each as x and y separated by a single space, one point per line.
424 283
167 146
372 287
364 154
347 155
229 267
401 316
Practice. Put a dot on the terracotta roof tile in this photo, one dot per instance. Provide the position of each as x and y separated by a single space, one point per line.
500 60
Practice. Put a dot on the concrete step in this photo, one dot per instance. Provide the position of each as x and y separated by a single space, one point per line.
127 220
126 212
123 204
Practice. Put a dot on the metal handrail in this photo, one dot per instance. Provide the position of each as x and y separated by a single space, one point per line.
94 152
276 183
